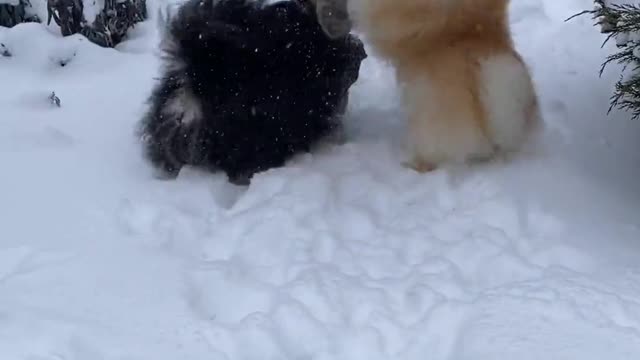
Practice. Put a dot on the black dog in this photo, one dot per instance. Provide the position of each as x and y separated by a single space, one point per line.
246 86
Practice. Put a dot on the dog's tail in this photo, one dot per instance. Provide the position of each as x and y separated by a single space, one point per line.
196 29
194 40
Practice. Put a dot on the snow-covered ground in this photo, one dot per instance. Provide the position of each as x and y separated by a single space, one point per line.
341 255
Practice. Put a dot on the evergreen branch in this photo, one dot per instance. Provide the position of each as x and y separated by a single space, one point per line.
627 96
623 57
619 21
615 19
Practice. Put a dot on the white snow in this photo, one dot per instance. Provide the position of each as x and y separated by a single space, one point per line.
341 255
10 2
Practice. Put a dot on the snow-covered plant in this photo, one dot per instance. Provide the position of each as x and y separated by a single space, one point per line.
54 99
110 25
4 51
621 21
113 22
14 12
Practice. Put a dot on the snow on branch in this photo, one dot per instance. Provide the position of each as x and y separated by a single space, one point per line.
621 21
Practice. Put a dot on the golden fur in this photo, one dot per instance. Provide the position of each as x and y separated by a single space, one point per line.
461 77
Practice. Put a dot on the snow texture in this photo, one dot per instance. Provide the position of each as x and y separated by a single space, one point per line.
10 2
341 255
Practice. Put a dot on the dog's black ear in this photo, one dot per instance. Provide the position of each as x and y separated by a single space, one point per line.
333 17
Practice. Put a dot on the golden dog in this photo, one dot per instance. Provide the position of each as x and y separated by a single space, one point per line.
468 93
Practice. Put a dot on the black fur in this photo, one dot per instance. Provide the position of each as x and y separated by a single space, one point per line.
264 81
